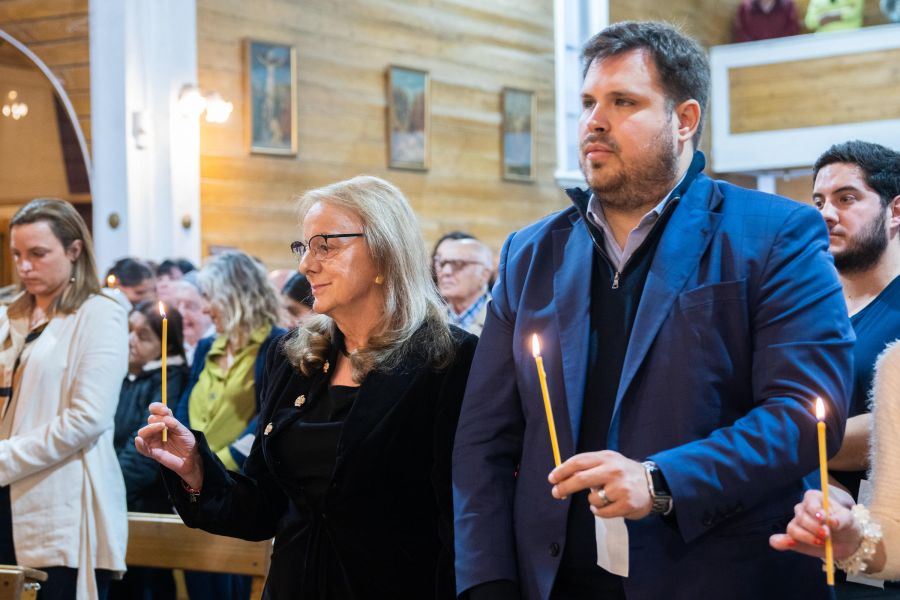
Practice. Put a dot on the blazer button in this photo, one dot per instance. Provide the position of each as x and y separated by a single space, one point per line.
268 429
300 401
553 549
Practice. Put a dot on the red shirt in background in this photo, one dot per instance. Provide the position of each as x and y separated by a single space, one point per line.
753 23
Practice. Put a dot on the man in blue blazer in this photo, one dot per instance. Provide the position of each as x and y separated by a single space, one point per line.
687 326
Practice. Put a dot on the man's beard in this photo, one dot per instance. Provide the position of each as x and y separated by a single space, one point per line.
640 183
865 250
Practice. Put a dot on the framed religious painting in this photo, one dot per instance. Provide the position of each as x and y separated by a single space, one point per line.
408 118
270 101
517 134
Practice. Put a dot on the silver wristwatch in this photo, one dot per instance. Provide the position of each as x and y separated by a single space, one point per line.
659 490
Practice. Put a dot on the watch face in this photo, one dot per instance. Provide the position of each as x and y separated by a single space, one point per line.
659 483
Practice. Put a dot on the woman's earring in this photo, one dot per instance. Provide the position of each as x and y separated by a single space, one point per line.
72 279
379 279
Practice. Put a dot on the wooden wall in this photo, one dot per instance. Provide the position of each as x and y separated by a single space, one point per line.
817 92
471 50
709 21
57 32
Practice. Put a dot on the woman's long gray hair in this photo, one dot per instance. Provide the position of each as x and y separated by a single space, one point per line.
414 320
237 286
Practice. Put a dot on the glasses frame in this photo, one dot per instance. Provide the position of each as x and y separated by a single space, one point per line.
440 264
299 249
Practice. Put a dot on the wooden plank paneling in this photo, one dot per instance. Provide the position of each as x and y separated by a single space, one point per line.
32 10
471 49
49 29
809 93
710 21
57 32
797 187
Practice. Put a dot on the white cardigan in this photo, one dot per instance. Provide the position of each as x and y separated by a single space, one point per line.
885 457
66 487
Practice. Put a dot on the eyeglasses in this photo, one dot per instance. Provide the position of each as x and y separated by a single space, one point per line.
454 264
318 244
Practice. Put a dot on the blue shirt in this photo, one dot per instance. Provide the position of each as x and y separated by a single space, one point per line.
467 317
875 326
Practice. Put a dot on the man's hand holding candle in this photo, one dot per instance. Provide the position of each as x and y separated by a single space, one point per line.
618 484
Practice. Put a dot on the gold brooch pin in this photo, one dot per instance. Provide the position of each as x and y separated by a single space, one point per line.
300 401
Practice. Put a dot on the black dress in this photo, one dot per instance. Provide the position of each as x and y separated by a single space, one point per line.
353 483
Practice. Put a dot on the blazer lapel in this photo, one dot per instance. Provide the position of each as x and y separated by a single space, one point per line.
572 256
378 394
682 244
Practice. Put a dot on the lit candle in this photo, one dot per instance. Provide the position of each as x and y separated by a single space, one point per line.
823 470
165 344
536 351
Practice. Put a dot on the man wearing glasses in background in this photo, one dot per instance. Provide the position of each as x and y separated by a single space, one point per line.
463 269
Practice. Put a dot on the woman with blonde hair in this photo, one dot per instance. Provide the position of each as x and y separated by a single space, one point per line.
63 355
220 399
350 470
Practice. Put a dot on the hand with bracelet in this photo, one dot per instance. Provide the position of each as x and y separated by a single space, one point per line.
179 453
855 539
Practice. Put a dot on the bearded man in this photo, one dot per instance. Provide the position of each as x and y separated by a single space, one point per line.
857 192
686 326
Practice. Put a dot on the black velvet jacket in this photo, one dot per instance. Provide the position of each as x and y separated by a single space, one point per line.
387 517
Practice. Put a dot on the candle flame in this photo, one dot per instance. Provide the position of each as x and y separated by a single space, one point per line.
111 281
162 310
820 409
535 346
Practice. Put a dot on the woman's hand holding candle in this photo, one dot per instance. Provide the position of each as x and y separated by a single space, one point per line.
179 453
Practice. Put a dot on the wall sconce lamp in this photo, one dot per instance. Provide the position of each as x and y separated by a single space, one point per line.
192 103
14 110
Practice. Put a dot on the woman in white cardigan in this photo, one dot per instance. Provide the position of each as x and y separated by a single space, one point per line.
63 355
864 540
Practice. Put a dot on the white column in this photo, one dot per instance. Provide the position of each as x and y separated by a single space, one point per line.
109 189
146 154
767 182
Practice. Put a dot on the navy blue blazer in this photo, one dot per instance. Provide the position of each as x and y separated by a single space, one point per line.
741 325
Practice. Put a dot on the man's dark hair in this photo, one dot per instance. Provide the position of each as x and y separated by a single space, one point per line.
880 165
167 267
680 61
297 288
452 235
130 271
185 265
175 338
